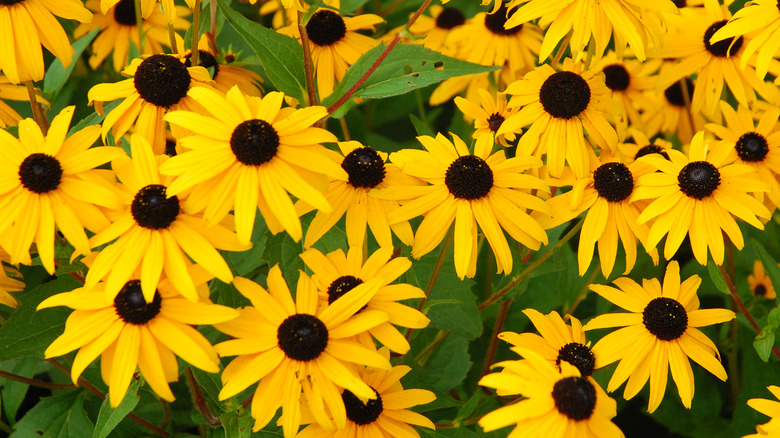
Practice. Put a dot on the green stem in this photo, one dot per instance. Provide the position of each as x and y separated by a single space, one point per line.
33 382
200 403
139 22
423 355
503 310
195 33
532 267
308 63
37 109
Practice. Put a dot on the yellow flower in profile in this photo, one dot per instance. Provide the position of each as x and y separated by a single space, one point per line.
25 25
294 347
152 231
660 334
554 403
128 333
159 84
488 116
760 283
771 409
49 181
335 44
559 107
387 415
337 273
366 170
118 29
248 153
699 194
465 189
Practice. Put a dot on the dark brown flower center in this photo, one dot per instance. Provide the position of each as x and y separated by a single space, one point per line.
40 173
342 285
205 60
124 12
162 80
578 355
674 94
574 397
760 290
362 413
564 95
613 181
449 18
616 77
9 2
665 318
721 48
254 142
302 337
495 22
469 177
752 146
680 3
698 179
325 28
131 306
494 121
651 149
153 209
365 168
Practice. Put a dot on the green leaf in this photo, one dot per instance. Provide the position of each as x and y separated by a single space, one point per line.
94 118
454 309
408 67
247 261
420 127
282 56
27 332
770 265
237 424
773 318
13 392
60 416
450 364
209 383
764 342
109 418
470 406
717 277
282 249
57 75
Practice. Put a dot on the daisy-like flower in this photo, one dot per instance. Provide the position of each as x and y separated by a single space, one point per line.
295 347
151 231
660 334
596 20
771 409
337 273
118 28
8 91
149 7
49 181
698 195
670 115
554 404
558 342
558 106
335 44
128 333
713 63
366 170
387 415
638 145
483 188
606 195
488 116
248 153
754 144
159 84
224 74
436 29
629 80
760 283
25 25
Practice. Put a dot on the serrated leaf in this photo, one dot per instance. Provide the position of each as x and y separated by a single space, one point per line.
57 75
764 342
282 56
109 418
406 68
717 277
450 364
282 249
60 416
27 332
455 310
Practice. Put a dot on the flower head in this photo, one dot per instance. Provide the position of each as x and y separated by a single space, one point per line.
760 283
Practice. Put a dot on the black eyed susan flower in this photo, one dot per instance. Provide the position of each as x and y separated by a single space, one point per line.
293 347
660 334
387 415
26 24
148 7
49 181
714 64
698 195
366 170
248 153
670 115
638 145
488 116
754 144
629 80
337 273
159 84
558 106
224 74
555 403
152 232
606 195
118 28
335 44
436 29
129 332
597 21
771 409
483 188
558 342
760 283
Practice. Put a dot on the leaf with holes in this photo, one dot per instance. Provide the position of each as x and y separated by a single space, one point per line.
408 67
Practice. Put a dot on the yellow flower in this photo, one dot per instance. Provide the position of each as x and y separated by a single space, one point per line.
769 408
760 283
8 115
488 116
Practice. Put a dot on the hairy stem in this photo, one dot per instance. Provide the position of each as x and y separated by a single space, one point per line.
308 64
200 403
37 109
34 382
